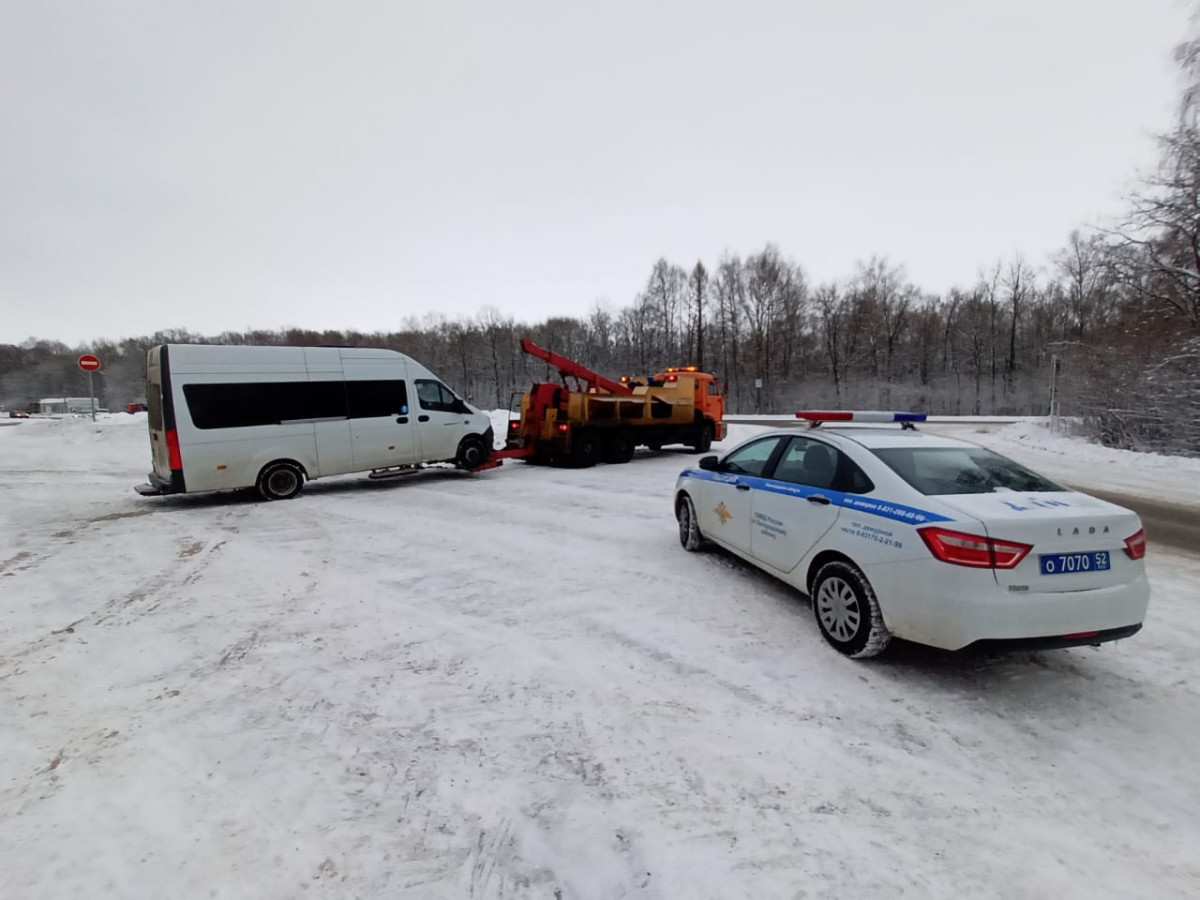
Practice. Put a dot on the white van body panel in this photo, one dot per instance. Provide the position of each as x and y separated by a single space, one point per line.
378 442
332 437
223 446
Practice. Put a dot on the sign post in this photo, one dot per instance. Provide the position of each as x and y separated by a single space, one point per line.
90 364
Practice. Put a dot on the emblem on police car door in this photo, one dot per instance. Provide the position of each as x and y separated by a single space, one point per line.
722 513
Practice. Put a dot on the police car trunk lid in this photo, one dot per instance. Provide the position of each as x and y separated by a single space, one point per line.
1063 526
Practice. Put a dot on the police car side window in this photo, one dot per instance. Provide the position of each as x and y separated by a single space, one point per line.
808 462
816 464
751 459
851 479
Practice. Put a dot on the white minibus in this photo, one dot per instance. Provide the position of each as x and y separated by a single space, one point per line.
271 418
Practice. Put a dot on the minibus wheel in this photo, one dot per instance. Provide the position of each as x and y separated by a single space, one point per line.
471 453
280 481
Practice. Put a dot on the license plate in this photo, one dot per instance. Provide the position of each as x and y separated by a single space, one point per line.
1073 563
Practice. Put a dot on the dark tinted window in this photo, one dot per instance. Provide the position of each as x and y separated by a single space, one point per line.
436 396
961 470
751 459
372 399
263 403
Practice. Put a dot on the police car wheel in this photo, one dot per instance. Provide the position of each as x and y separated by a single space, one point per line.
280 481
690 537
847 611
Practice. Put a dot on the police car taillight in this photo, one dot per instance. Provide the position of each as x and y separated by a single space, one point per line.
830 415
976 551
1135 544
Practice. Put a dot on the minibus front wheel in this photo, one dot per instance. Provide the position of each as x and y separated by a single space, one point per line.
280 480
472 452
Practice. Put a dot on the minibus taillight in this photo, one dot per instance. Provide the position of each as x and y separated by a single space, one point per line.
176 460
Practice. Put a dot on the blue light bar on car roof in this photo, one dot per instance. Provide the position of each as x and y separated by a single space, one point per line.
858 416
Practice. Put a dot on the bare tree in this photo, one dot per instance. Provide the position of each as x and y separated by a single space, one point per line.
698 290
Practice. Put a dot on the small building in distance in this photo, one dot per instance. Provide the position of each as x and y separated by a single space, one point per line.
65 406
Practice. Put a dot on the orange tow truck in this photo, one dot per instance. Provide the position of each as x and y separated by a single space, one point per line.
599 419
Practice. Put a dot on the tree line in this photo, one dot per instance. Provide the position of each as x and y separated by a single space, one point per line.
1111 328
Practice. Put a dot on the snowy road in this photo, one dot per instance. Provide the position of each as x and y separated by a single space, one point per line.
515 684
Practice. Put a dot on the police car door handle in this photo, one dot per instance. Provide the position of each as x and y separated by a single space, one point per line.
817 498
401 420
742 486
422 418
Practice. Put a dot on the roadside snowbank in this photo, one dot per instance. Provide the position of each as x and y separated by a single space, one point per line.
1077 461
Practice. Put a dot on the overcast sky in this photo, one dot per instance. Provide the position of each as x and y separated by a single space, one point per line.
240 164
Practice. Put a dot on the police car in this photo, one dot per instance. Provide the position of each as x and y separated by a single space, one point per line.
895 532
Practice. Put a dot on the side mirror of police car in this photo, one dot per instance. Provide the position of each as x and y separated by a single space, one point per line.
709 464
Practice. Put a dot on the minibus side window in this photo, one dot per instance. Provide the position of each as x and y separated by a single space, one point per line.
263 403
374 399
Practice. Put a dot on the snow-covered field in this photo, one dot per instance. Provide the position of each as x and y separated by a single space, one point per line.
515 684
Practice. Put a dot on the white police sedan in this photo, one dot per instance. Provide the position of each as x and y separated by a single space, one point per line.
894 532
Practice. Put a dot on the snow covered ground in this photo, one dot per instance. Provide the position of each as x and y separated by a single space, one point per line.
515 684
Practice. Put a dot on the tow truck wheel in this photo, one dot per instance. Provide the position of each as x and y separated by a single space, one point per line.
586 449
704 438
690 537
471 453
618 448
280 481
847 612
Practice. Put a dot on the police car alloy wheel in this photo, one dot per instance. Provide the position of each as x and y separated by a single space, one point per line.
847 612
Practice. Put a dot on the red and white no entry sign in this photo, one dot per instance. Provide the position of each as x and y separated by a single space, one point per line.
89 363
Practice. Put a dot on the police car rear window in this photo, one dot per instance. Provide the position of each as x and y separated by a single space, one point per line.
961 470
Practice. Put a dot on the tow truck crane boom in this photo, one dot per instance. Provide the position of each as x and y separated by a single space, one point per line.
570 368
